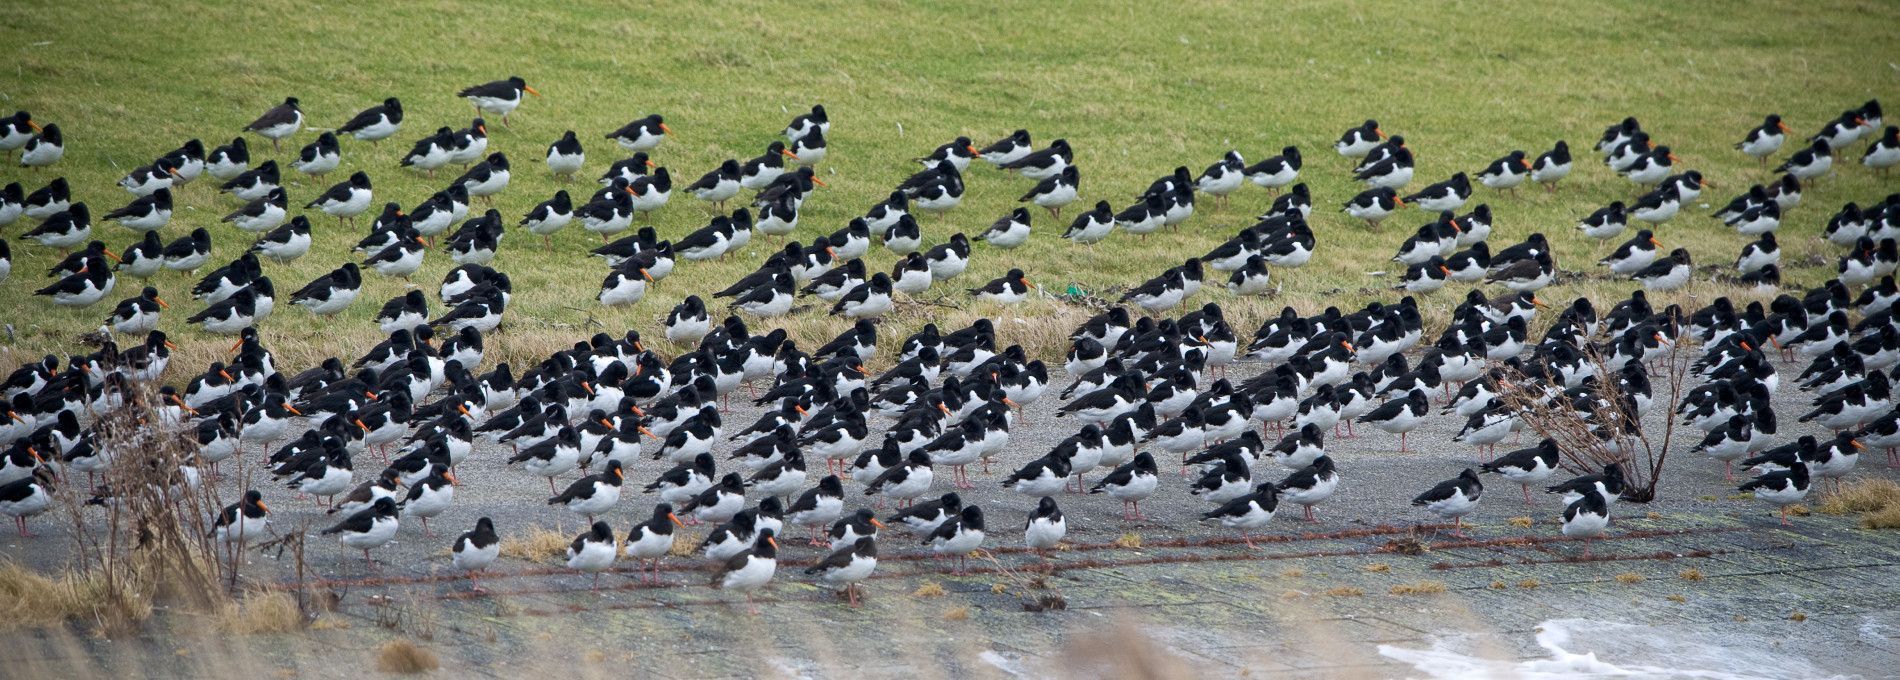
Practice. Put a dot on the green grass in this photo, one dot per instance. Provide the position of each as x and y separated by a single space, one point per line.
1136 91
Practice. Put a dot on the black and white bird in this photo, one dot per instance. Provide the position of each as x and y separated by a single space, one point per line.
718 185
280 122
1764 140
150 212
44 149
1249 512
1359 141
1055 193
1506 173
226 162
1781 488
849 566
347 199
1668 273
1374 205
500 97
1277 171
1527 466
1884 153
1586 518
1449 194
473 551
1011 288
958 536
1453 498
1045 163
1008 231
1045 528
1007 149
593 551
16 130
805 123
375 123
751 569
318 157
138 314
368 528
1809 163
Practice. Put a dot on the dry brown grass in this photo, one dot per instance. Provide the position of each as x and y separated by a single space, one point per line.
1876 500
405 658
261 613
1798 617
31 600
684 544
1130 541
1629 578
1690 574
1293 573
537 544
1529 584
1677 598
1419 588
1499 585
1378 567
956 614
1346 591
929 589
1522 522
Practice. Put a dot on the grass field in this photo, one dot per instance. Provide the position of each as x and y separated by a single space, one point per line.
1136 89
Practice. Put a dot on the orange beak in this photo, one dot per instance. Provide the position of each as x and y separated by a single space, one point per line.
647 432
819 182
586 386
35 126
621 474
675 518
788 154
1011 403
172 171
876 523
109 255
636 410
462 410
971 148
665 129
944 409
772 541
1442 269
292 409
1783 126
451 477
234 348
1379 132
261 506
1537 301
1673 158
1857 445
1400 202
169 345
161 305
799 409
651 164
359 423
603 421
1348 345
531 90
1654 242
34 452
227 376
643 273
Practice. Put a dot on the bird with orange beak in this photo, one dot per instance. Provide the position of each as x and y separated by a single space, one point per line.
500 97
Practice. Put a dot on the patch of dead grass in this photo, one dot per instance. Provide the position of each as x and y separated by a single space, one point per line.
261 613
1690 574
956 614
1629 578
1419 588
928 589
1346 591
405 658
537 544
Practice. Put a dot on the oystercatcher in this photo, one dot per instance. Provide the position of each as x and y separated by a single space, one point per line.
278 123
498 97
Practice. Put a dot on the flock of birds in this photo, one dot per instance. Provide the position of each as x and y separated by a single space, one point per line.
1142 384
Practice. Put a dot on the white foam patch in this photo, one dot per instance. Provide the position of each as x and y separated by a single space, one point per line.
1002 663
1582 648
